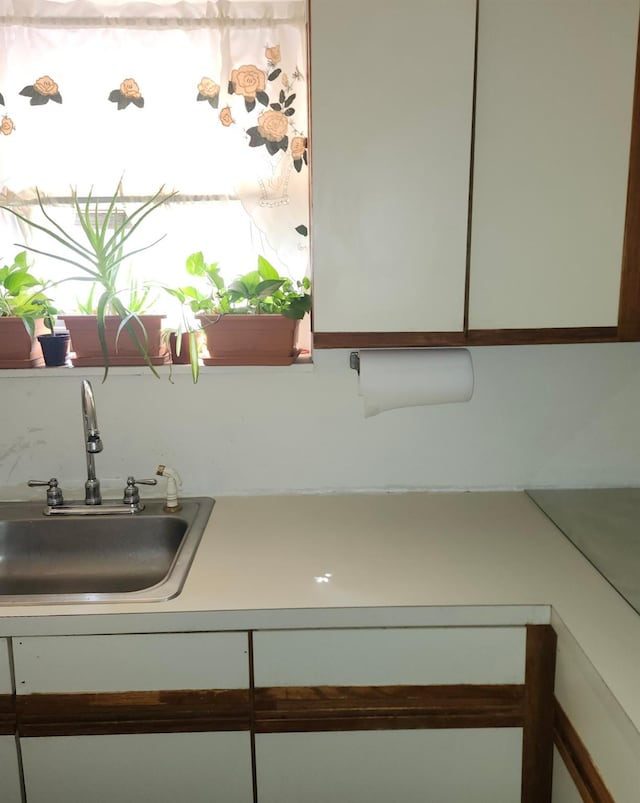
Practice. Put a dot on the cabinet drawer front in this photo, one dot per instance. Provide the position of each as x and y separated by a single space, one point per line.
131 662
5 668
389 656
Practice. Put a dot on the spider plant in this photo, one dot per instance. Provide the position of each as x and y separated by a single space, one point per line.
100 255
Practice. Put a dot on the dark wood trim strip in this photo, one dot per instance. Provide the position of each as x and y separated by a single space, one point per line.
474 337
346 708
472 156
537 736
629 306
133 712
374 340
578 761
7 714
524 337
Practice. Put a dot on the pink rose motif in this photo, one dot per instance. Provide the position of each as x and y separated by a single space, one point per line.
225 116
6 126
128 92
42 91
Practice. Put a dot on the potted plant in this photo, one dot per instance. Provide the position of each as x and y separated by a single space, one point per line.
22 296
254 320
99 256
122 347
183 340
55 345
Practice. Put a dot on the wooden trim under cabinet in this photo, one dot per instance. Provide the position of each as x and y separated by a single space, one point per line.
385 340
474 337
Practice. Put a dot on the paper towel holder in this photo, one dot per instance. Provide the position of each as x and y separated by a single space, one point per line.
354 361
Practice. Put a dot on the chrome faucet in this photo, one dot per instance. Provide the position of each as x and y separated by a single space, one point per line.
93 504
92 443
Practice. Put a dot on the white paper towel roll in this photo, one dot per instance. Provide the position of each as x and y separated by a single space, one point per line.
392 378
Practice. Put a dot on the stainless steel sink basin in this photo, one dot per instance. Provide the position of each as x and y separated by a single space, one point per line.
70 559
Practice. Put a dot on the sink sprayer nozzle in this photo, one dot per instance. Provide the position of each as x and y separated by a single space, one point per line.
172 505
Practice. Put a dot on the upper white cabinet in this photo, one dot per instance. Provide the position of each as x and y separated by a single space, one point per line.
553 122
391 112
417 244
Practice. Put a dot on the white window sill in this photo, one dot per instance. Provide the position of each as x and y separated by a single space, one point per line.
163 370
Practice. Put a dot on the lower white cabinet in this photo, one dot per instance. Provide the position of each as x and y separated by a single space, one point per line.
9 771
158 767
411 766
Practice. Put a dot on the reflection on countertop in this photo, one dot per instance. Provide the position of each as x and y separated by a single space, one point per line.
604 524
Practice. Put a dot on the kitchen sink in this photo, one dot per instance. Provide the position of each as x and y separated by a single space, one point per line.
84 558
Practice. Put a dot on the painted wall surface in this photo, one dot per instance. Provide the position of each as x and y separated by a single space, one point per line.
540 416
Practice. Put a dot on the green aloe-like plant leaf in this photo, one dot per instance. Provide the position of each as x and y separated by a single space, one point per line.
193 356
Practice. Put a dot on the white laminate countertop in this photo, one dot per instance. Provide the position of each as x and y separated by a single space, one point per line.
375 560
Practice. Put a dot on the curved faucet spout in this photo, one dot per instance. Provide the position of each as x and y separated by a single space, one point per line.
92 438
92 443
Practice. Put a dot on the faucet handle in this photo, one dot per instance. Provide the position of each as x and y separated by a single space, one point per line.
131 495
54 493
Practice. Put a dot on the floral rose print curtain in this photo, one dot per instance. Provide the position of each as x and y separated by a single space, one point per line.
209 99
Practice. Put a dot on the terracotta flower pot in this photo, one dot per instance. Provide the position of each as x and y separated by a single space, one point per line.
17 348
249 339
85 343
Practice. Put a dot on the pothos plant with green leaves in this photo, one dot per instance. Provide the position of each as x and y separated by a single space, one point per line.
22 294
260 292
100 254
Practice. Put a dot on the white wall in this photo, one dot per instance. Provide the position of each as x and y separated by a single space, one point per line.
540 416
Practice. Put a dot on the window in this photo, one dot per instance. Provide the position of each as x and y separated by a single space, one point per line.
206 98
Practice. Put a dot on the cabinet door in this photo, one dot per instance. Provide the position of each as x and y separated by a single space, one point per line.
9 771
159 767
391 112
439 766
553 123
446 764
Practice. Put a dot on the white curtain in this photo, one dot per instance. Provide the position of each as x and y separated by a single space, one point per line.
98 91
